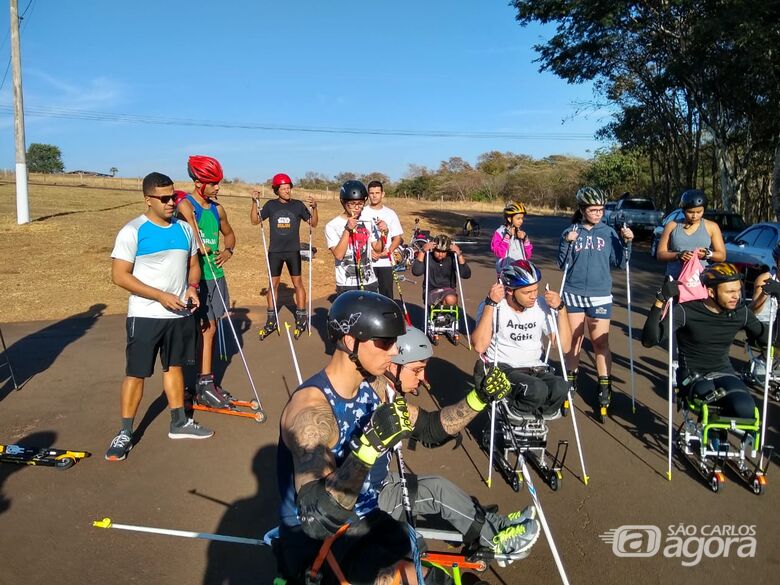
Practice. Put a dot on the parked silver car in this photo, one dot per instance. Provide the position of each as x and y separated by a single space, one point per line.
609 207
751 250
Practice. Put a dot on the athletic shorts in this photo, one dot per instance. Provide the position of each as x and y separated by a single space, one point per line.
211 307
593 307
437 296
292 259
600 312
175 339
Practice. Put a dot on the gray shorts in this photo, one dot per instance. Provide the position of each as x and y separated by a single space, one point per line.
211 307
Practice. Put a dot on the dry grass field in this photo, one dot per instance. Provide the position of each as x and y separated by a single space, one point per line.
58 265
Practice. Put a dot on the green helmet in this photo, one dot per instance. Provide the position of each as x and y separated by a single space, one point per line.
587 196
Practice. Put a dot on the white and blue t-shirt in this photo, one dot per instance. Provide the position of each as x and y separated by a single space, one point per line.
160 257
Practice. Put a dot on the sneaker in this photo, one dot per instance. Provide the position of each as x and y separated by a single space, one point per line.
527 513
514 543
190 430
120 446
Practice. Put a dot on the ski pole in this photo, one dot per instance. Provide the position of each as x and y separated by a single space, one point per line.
406 500
107 523
493 403
311 268
397 281
292 351
670 374
543 520
560 292
769 356
627 253
425 284
268 266
556 331
199 237
462 300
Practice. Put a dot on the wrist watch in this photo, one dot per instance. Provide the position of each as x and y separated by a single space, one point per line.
490 302
561 306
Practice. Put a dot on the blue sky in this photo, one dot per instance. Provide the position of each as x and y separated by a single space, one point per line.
429 65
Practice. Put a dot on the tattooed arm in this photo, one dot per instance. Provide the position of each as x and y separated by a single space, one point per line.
309 430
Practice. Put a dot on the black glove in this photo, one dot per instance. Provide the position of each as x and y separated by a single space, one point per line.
669 290
389 424
495 385
772 288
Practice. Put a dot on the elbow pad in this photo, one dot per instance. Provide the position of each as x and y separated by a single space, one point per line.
321 515
429 430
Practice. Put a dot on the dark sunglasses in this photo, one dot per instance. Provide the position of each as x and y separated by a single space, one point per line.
164 199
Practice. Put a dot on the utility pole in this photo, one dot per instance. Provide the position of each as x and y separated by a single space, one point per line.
22 205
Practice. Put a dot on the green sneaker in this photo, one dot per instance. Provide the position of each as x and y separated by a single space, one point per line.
527 513
515 543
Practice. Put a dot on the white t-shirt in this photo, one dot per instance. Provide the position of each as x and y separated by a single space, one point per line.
360 240
160 257
519 337
390 217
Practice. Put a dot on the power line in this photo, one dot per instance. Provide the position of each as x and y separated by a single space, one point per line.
24 27
135 119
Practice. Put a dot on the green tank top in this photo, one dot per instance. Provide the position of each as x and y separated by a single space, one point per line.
208 224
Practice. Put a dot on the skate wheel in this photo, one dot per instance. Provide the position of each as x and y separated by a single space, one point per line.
260 416
65 463
716 481
603 412
517 481
555 480
254 405
758 484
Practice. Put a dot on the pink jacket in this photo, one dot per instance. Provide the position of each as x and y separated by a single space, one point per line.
503 246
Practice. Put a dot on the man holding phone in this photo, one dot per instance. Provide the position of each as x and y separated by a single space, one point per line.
155 258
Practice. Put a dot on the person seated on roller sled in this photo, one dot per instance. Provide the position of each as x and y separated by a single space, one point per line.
508 536
523 317
441 278
336 434
705 331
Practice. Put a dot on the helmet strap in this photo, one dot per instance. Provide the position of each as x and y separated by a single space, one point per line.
353 357
395 379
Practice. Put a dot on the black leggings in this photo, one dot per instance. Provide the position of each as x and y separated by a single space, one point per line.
737 403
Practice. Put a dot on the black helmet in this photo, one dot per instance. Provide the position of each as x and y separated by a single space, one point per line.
365 315
587 196
353 191
719 273
693 198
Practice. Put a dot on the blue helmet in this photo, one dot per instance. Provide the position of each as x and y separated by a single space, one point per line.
519 273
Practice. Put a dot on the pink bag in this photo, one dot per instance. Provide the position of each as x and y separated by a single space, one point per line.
691 288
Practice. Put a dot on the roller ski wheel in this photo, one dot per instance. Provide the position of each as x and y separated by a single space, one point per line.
57 458
260 416
716 481
554 481
267 329
517 481
758 484
434 339
453 338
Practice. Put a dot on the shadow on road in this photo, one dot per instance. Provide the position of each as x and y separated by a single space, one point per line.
252 517
36 352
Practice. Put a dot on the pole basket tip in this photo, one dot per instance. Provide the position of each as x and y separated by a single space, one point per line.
585 479
669 475
287 325
489 483
104 523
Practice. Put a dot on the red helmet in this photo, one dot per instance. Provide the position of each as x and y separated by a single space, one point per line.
178 196
281 179
204 169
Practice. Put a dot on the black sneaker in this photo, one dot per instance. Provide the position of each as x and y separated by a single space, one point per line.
120 446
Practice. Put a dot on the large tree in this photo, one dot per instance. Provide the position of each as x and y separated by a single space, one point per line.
44 158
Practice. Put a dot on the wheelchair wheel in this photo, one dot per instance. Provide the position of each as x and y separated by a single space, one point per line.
716 481
554 480
758 485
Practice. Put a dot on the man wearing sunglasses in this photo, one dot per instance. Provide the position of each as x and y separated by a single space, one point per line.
509 537
155 258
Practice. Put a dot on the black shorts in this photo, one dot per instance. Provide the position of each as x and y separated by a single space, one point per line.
292 259
175 339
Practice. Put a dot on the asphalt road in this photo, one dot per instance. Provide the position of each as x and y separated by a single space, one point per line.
227 484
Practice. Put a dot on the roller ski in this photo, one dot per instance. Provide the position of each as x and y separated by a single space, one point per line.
571 380
604 396
59 458
301 323
210 397
270 326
